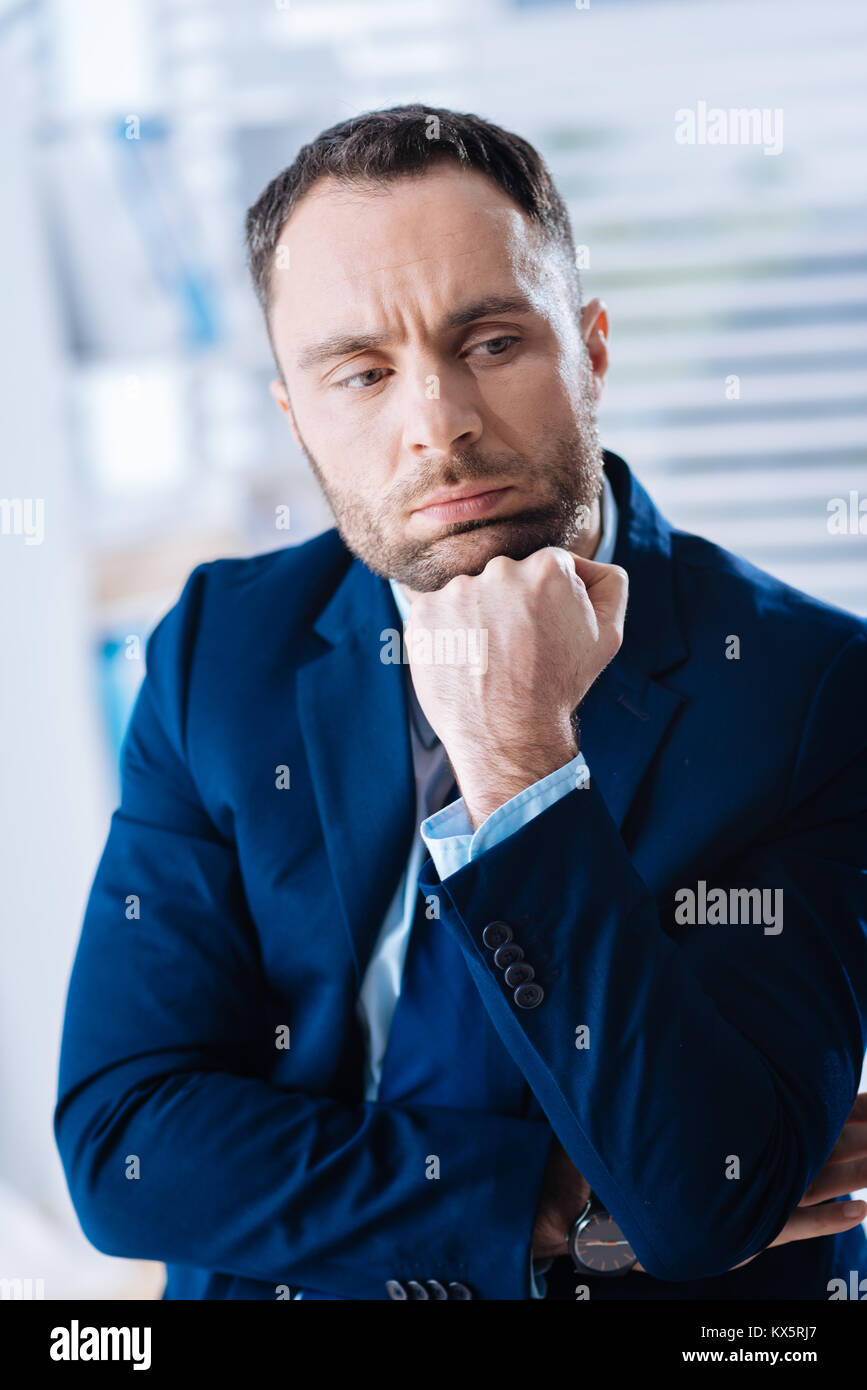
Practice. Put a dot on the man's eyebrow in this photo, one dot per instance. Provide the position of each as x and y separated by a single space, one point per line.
344 344
491 307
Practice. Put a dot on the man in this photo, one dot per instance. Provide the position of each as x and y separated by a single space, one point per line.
335 1030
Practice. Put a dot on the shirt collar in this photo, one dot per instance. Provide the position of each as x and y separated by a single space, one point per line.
603 554
605 549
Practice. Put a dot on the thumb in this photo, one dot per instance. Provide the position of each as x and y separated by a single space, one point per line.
607 588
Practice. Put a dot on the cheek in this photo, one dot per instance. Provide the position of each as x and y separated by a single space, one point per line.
352 459
341 418
530 400
330 422
537 385
364 446
333 437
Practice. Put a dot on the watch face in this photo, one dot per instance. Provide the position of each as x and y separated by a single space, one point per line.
602 1246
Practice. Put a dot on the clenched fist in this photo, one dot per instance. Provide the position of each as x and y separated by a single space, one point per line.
519 646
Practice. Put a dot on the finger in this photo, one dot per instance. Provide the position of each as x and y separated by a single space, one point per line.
591 571
565 559
859 1109
851 1144
607 588
806 1223
836 1180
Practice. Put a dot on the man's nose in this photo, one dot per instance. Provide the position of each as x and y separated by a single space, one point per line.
440 414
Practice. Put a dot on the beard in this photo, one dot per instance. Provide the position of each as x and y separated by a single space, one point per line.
565 473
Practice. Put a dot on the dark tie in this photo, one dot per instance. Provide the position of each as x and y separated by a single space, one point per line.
442 1047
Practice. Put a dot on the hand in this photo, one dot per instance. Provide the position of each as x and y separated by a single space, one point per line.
541 630
564 1196
565 1192
845 1171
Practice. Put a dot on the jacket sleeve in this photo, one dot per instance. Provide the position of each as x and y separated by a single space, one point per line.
176 1146
719 1062
451 841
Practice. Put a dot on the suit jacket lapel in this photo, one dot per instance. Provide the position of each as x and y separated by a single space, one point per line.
621 726
628 709
353 712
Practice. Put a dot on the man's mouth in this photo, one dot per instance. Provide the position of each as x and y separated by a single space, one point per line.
458 504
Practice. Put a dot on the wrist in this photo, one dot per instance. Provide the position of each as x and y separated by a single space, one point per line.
489 785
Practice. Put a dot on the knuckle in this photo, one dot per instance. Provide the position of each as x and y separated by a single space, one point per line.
498 565
550 563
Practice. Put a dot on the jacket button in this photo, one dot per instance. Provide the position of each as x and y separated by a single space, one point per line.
529 996
497 934
417 1290
457 1290
437 1290
519 974
396 1290
508 954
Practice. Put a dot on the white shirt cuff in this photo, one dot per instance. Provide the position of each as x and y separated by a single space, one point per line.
538 1284
449 836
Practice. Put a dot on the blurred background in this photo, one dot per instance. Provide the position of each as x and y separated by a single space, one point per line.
139 437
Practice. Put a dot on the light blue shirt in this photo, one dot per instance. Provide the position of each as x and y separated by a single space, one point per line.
446 835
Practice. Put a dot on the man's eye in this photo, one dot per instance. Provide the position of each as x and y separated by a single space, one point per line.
360 377
497 345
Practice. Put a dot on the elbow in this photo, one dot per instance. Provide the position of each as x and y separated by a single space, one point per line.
704 1249
687 1266
701 1229
105 1235
680 1264
105 1212
107 1224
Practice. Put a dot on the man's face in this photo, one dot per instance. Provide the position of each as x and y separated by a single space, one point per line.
423 334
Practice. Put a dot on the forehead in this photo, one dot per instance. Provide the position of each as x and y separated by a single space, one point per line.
431 237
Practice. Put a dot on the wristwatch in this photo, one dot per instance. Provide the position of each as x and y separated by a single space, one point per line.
597 1244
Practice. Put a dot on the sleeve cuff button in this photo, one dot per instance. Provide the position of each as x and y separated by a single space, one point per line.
529 995
497 934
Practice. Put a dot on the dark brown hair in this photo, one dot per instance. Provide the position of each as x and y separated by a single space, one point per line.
382 145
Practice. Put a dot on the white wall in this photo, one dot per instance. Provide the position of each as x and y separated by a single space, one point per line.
54 789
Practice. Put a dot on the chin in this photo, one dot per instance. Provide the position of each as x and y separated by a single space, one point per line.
469 552
469 547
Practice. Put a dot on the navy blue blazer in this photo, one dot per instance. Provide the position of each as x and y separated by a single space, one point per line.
227 906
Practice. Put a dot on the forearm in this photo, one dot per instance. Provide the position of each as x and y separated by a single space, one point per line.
669 1088
488 782
166 1059
238 1175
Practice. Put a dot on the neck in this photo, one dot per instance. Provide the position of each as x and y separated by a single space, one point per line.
588 539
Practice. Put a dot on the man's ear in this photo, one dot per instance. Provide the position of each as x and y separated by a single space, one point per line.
594 331
281 396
